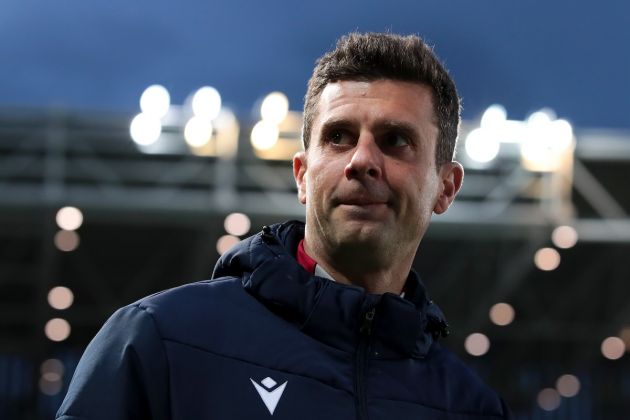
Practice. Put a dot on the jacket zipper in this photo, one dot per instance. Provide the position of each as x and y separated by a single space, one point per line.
361 361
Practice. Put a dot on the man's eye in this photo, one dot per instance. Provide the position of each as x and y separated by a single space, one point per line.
396 140
339 137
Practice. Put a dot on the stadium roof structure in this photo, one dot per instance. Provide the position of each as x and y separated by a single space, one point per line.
151 221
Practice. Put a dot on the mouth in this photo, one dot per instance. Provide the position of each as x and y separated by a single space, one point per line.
362 205
363 202
363 199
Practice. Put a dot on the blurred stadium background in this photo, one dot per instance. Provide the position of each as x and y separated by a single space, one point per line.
139 141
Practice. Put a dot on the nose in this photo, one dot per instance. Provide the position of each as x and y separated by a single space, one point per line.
366 161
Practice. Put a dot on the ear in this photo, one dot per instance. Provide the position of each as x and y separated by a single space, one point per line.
299 171
451 176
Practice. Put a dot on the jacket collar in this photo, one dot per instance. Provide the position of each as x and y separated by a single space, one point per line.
328 311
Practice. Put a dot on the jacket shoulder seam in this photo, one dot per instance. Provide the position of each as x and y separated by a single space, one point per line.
161 338
239 359
444 410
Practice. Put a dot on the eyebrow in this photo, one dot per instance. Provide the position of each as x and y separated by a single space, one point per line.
381 125
400 126
336 123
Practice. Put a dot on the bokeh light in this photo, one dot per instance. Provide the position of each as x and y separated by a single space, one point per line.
57 329
493 117
548 399
546 142
69 218
50 387
264 135
155 101
613 348
274 108
226 242
568 385
66 240
145 129
562 131
198 131
60 297
480 146
237 224
206 103
541 118
564 237
547 259
502 314
477 344
52 366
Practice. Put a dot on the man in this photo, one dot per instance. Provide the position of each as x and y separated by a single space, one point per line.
327 319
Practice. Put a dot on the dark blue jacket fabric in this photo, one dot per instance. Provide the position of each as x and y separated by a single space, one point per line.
265 339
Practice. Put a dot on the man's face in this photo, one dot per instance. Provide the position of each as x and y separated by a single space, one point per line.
369 177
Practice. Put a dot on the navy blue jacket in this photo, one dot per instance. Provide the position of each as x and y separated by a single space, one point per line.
265 339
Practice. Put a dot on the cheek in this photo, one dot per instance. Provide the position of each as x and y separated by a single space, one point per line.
320 176
315 187
420 196
313 181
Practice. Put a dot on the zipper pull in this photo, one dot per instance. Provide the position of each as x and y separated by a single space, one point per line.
366 327
267 235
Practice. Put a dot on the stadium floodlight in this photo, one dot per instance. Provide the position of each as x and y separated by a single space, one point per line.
198 131
206 103
155 101
264 135
481 145
145 129
546 142
494 117
274 107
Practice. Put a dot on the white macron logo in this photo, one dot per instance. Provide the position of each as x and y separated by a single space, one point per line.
269 397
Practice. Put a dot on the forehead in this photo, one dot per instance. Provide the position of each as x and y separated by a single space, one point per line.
378 99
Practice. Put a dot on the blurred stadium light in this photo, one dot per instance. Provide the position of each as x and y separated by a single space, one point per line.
161 213
277 136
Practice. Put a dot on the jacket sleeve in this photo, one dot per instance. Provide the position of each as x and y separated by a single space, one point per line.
507 413
123 373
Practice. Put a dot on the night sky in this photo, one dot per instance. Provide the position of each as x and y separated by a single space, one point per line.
571 56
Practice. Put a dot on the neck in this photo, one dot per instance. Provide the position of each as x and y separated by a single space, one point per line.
365 267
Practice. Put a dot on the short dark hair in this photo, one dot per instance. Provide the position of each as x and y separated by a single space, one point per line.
373 56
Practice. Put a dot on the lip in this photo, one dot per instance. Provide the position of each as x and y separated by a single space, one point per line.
362 203
365 211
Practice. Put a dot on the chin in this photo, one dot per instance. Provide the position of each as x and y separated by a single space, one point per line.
364 237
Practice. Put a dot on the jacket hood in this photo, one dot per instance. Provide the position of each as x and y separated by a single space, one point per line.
329 311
